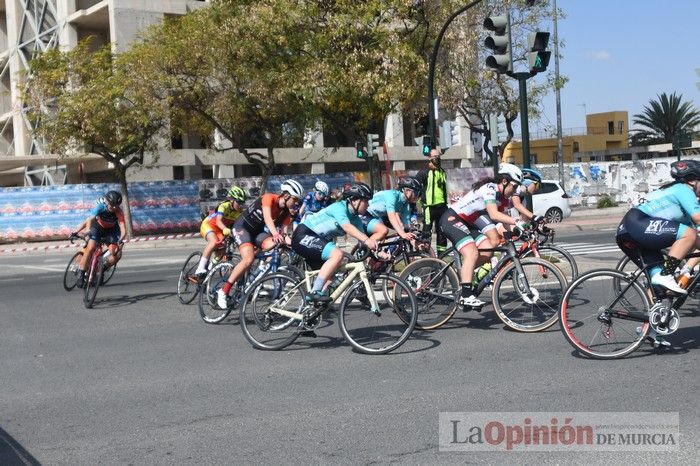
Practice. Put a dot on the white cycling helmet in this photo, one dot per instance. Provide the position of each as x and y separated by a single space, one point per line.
322 187
293 188
510 171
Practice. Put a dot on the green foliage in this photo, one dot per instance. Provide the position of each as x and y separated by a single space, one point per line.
605 202
272 68
663 118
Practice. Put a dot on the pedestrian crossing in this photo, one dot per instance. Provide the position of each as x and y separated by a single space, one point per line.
579 249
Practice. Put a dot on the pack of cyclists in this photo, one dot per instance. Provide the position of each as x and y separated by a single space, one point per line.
474 223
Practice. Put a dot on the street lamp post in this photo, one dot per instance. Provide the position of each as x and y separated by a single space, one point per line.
432 101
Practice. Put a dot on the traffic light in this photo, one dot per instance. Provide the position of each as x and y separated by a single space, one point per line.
499 42
538 55
427 143
360 149
498 130
373 145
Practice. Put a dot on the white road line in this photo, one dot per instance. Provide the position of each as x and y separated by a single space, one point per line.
35 267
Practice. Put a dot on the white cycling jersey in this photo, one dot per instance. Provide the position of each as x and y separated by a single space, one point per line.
473 204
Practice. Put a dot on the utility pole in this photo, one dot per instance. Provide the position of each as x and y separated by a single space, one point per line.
560 141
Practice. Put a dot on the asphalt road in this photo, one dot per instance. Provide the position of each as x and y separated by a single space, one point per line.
140 379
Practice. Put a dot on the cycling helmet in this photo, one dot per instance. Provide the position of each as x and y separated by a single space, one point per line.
358 191
685 170
237 194
293 188
113 197
510 172
322 187
530 174
411 183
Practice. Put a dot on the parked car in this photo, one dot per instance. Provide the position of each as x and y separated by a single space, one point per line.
551 202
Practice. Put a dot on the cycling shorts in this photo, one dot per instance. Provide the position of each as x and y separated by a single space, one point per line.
456 229
206 228
243 233
371 223
311 246
105 235
641 236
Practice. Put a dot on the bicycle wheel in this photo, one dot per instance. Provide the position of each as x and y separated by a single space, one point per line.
559 257
381 330
93 278
530 310
209 310
108 273
435 287
186 289
70 276
586 314
261 318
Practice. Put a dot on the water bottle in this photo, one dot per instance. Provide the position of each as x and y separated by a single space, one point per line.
481 272
684 277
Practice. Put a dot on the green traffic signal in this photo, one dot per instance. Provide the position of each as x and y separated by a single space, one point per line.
427 142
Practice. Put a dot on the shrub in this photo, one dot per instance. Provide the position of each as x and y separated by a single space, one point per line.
605 202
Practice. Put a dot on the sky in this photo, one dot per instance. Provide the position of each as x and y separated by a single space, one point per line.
620 54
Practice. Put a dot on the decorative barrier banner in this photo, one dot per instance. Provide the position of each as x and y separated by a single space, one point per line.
47 212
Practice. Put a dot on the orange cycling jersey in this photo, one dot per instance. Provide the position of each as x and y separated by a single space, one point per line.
253 216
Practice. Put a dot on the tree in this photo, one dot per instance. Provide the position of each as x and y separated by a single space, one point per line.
466 86
664 118
274 68
82 101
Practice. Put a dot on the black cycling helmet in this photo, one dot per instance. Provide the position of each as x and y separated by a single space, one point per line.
411 183
358 191
685 170
113 197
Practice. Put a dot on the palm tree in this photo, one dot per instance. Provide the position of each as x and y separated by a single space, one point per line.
664 118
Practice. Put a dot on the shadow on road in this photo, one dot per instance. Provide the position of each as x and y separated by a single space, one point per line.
12 453
124 300
117 284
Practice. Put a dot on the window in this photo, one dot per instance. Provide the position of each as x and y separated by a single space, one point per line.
178 172
611 127
533 159
548 188
620 126
576 149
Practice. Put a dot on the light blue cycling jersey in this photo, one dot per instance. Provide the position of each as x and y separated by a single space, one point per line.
677 202
388 201
326 222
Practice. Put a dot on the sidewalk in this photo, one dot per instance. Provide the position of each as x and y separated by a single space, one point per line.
586 218
140 242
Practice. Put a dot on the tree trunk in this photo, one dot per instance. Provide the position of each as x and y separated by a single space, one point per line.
121 175
269 168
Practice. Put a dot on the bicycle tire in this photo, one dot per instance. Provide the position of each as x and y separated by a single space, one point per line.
557 255
208 309
591 289
261 326
108 273
186 290
70 276
93 278
419 275
377 340
523 313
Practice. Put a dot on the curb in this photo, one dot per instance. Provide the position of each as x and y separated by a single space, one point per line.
57 247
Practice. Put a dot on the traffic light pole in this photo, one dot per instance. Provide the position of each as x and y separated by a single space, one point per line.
522 78
432 103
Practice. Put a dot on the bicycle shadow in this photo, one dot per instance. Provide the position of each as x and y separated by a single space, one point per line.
117 284
124 300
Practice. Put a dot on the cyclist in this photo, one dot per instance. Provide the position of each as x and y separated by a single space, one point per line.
665 220
470 222
271 211
392 208
314 238
105 223
218 225
315 200
532 179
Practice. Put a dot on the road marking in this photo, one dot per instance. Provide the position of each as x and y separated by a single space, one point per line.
35 267
579 249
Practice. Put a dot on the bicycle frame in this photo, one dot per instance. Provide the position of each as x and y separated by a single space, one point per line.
355 269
